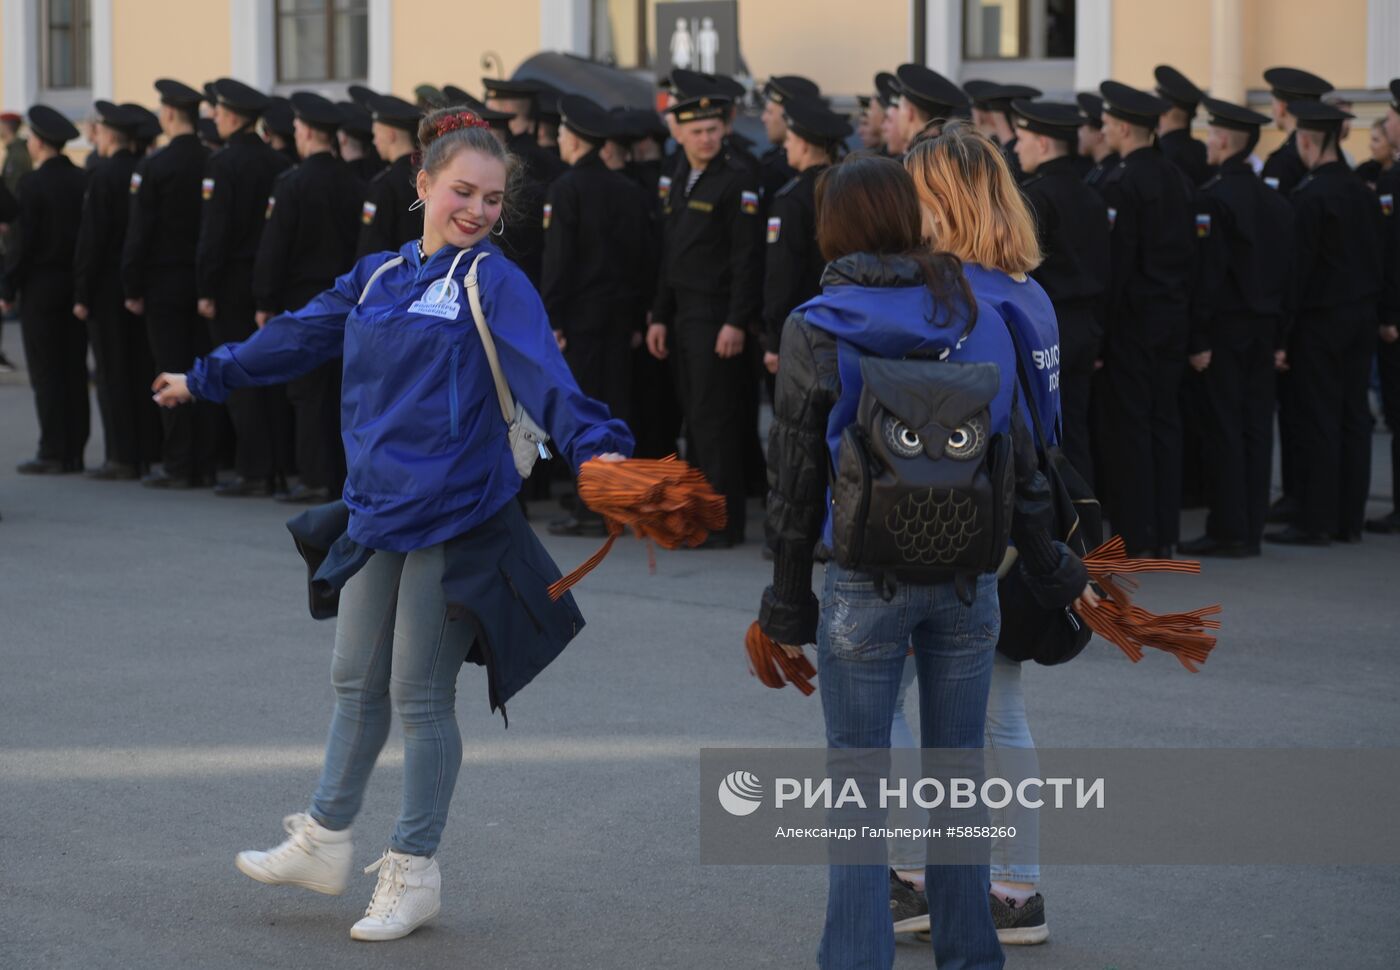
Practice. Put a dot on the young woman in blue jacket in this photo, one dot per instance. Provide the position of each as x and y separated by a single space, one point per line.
430 549
885 294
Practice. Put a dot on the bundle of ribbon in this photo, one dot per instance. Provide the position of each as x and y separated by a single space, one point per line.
664 501
1116 619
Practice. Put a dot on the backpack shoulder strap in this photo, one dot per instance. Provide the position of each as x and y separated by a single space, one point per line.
488 344
384 267
1023 381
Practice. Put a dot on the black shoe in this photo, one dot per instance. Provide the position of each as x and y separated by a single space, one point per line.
41 466
1020 925
302 495
1294 536
113 471
766 552
1347 537
908 907
1162 552
1218 548
160 478
1386 525
280 491
6 365
570 525
568 501
1283 511
240 487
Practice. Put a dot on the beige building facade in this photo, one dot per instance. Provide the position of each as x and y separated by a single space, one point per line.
69 52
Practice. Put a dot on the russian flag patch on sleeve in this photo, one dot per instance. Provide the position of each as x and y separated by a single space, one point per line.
1387 204
207 189
367 213
271 204
663 186
1271 182
135 182
548 214
1202 225
1112 217
775 226
748 202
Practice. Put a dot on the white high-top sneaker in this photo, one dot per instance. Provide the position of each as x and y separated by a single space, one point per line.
312 857
408 894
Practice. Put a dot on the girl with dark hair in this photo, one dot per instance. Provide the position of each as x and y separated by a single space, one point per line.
885 295
435 558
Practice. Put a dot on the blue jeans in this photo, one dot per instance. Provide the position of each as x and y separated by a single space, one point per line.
395 644
861 645
1007 728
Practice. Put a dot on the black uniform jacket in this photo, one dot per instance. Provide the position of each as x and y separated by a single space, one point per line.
523 237
97 262
163 228
312 229
599 253
50 208
1099 171
237 184
386 222
1338 232
793 269
1284 168
1187 154
1245 233
1071 220
710 242
1388 194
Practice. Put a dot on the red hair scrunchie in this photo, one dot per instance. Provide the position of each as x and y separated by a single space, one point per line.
459 120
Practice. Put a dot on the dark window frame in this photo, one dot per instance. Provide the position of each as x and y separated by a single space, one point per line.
330 13
1023 37
79 29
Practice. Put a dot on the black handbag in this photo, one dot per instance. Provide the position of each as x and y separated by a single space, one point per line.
1029 631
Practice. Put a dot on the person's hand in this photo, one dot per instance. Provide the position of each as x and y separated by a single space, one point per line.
1088 599
560 340
770 361
206 308
1390 334
611 456
656 341
80 311
6 306
792 651
261 318
730 342
136 306
1199 362
1280 360
1098 364
171 390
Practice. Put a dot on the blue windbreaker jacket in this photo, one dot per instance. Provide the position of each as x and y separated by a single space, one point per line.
425 443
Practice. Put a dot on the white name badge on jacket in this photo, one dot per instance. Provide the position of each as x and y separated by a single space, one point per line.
439 300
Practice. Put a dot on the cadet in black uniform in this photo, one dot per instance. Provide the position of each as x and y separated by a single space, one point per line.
120 349
1337 276
1071 222
237 183
277 128
387 220
1245 233
158 277
1093 146
794 264
774 170
597 237
310 237
1174 128
1153 267
927 98
645 160
709 296
548 118
523 238
1388 353
1284 169
39 273
995 102
356 139
147 130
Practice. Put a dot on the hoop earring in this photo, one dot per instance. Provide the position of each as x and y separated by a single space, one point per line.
416 206
501 231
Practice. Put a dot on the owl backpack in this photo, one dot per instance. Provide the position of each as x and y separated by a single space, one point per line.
923 488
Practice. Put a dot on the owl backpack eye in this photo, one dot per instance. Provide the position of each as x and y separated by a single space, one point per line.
903 440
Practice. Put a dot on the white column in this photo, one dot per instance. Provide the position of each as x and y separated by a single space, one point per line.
1227 50
943 36
101 49
381 45
1093 44
19 46
564 26
1382 42
253 43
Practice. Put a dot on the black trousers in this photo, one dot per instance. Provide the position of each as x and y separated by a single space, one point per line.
178 335
1080 337
713 400
601 361
1238 428
1388 361
125 370
1142 383
320 452
1195 467
656 409
55 350
261 416
1331 356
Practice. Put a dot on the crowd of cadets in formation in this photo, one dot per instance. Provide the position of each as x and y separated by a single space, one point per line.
1200 290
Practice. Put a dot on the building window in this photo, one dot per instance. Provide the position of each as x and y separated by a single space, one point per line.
618 34
67 44
322 40
1018 29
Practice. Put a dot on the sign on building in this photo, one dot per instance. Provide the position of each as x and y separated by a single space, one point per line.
701 35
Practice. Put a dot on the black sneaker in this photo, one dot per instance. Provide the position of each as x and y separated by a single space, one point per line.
6 365
908 907
1021 925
